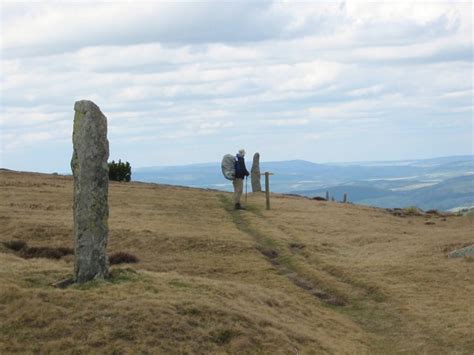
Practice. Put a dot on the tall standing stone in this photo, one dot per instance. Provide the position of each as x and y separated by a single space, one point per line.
91 184
255 173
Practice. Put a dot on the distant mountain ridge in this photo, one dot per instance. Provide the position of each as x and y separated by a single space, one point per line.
437 183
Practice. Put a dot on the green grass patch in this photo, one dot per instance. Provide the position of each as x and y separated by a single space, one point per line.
257 210
287 261
116 276
179 284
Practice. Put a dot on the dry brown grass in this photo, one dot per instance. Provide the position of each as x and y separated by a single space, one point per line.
211 280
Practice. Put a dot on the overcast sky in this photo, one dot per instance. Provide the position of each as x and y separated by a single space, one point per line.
189 82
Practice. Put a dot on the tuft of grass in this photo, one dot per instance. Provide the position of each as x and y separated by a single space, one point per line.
191 311
15 245
117 276
223 337
122 257
178 284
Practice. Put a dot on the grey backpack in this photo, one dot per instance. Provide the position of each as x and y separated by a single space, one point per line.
228 166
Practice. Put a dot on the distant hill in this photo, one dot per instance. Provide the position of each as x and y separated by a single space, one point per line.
383 184
445 195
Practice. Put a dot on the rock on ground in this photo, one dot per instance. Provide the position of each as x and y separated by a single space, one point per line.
459 253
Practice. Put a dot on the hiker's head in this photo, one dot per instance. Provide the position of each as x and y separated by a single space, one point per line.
242 152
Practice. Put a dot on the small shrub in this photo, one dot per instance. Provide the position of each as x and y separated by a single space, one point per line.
15 245
412 211
122 258
120 171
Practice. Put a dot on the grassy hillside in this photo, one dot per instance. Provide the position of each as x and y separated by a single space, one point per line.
306 277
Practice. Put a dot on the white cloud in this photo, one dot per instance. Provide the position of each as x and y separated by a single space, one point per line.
193 72
313 136
57 27
289 122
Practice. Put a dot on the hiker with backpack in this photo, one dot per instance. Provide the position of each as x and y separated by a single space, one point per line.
233 168
241 172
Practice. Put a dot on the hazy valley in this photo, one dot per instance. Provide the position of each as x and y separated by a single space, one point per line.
441 183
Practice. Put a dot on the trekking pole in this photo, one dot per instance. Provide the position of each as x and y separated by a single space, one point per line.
246 190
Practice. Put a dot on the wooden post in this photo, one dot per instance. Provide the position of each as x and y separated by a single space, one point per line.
327 195
345 198
267 188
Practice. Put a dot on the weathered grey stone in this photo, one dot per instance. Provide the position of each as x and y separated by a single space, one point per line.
459 253
255 174
91 184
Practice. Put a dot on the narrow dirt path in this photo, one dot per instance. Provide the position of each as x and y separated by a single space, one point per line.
276 255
